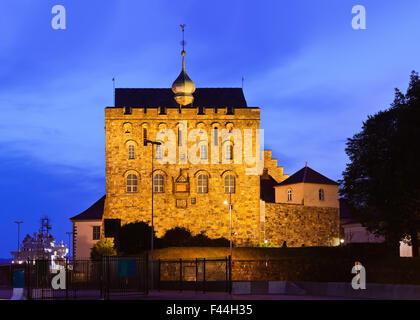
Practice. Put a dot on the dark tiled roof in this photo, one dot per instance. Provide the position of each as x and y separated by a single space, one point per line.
267 192
94 212
164 97
307 175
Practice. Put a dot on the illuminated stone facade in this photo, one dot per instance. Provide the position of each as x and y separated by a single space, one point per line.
181 203
180 197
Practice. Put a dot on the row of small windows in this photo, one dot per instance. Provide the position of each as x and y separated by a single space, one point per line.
159 183
290 194
203 152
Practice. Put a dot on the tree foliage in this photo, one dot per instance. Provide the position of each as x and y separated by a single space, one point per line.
134 238
103 248
382 180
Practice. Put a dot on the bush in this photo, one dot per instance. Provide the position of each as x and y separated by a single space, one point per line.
103 248
177 237
181 237
267 244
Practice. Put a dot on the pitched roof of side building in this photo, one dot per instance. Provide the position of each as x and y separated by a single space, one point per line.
94 212
307 175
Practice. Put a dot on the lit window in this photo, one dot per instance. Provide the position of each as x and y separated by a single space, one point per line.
321 194
96 233
229 152
229 184
131 152
158 152
289 195
158 183
203 183
131 183
203 152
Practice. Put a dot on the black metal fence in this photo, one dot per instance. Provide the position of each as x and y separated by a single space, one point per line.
112 277
118 277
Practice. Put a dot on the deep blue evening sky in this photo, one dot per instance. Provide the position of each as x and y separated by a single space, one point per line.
314 77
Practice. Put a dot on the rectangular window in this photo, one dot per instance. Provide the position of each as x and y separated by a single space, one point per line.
216 136
96 233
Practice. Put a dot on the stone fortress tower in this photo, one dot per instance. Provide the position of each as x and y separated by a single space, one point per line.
209 152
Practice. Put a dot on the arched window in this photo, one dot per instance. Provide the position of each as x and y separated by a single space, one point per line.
203 183
131 183
131 152
289 195
321 194
229 184
158 152
179 137
216 136
203 152
158 183
229 152
144 136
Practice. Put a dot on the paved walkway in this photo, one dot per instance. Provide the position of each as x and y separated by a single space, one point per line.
192 295
5 294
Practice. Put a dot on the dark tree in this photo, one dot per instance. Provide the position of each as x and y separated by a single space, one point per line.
177 237
382 180
182 237
133 238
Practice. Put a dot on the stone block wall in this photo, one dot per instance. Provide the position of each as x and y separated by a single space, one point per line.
299 225
198 212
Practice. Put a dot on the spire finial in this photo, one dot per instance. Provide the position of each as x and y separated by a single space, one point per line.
306 164
183 87
183 41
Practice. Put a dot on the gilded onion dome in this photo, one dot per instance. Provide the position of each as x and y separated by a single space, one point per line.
183 87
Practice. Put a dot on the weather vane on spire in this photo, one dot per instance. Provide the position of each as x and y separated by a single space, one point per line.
183 43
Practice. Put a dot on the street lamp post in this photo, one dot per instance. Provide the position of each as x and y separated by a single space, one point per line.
146 142
230 218
18 223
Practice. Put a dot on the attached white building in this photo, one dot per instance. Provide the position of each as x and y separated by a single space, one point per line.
87 229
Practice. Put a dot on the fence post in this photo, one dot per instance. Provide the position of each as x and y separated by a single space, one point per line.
67 278
107 277
204 275
180 274
159 264
28 277
227 273
146 273
74 287
230 274
196 274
